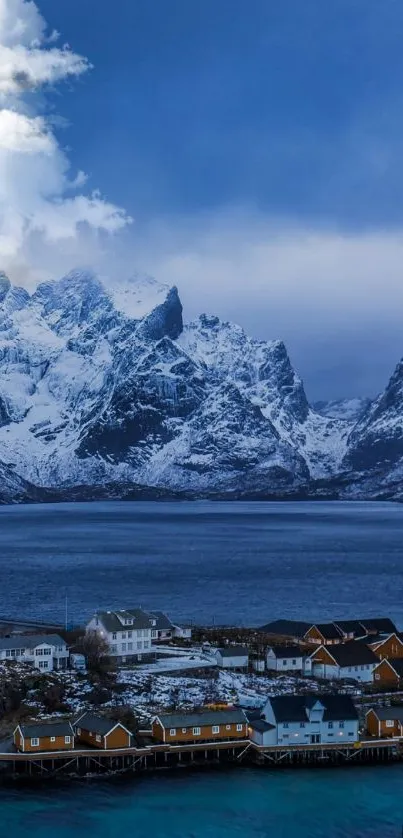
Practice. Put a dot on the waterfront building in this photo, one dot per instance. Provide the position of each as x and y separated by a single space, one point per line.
306 720
101 732
131 633
43 651
287 659
385 721
353 660
56 736
232 657
206 726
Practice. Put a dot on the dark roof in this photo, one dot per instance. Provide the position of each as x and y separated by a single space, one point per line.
38 731
30 641
379 624
210 717
287 651
161 619
350 627
392 712
293 708
261 725
233 651
286 628
96 724
110 619
352 653
327 630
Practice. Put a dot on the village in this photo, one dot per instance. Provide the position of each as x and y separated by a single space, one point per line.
133 690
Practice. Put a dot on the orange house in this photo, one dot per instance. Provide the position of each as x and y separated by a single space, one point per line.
390 647
100 732
385 721
31 738
389 672
206 726
324 634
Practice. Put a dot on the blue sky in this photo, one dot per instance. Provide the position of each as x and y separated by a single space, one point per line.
256 144
294 108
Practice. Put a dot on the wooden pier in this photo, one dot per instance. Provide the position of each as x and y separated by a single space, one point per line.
88 762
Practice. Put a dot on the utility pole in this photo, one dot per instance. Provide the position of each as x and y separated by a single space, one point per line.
65 615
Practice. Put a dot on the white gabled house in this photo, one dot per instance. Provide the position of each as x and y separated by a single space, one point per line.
353 660
287 659
130 633
232 657
45 652
306 720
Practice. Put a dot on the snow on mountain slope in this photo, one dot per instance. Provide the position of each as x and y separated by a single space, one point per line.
102 387
349 410
263 372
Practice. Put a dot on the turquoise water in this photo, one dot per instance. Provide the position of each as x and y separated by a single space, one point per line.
317 803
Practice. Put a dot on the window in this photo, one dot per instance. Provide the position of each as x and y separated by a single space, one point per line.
215 729
123 635
341 724
351 733
239 727
285 724
34 743
228 727
114 649
43 664
172 732
146 644
8 653
53 738
67 740
98 737
184 729
39 652
47 651
389 723
140 644
330 724
294 661
114 635
302 724
284 663
130 634
153 633
130 647
123 647
196 731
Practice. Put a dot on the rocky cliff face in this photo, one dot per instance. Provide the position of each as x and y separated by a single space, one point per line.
105 392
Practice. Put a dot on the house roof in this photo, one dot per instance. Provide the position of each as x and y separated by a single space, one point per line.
261 725
379 624
327 630
210 717
392 712
293 708
111 622
286 628
353 653
162 621
287 651
97 724
350 627
233 651
38 731
30 641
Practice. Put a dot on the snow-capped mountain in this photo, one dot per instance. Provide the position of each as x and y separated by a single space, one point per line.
350 410
104 392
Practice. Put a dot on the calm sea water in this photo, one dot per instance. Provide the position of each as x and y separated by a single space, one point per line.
343 803
244 563
224 562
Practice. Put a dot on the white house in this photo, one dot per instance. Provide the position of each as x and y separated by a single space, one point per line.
286 659
306 720
353 660
232 657
128 633
45 652
167 630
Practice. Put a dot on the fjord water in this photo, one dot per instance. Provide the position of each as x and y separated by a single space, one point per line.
243 563
261 803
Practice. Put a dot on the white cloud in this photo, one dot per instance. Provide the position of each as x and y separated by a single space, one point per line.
38 197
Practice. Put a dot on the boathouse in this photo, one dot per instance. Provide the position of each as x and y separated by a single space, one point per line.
101 732
206 726
56 736
385 721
